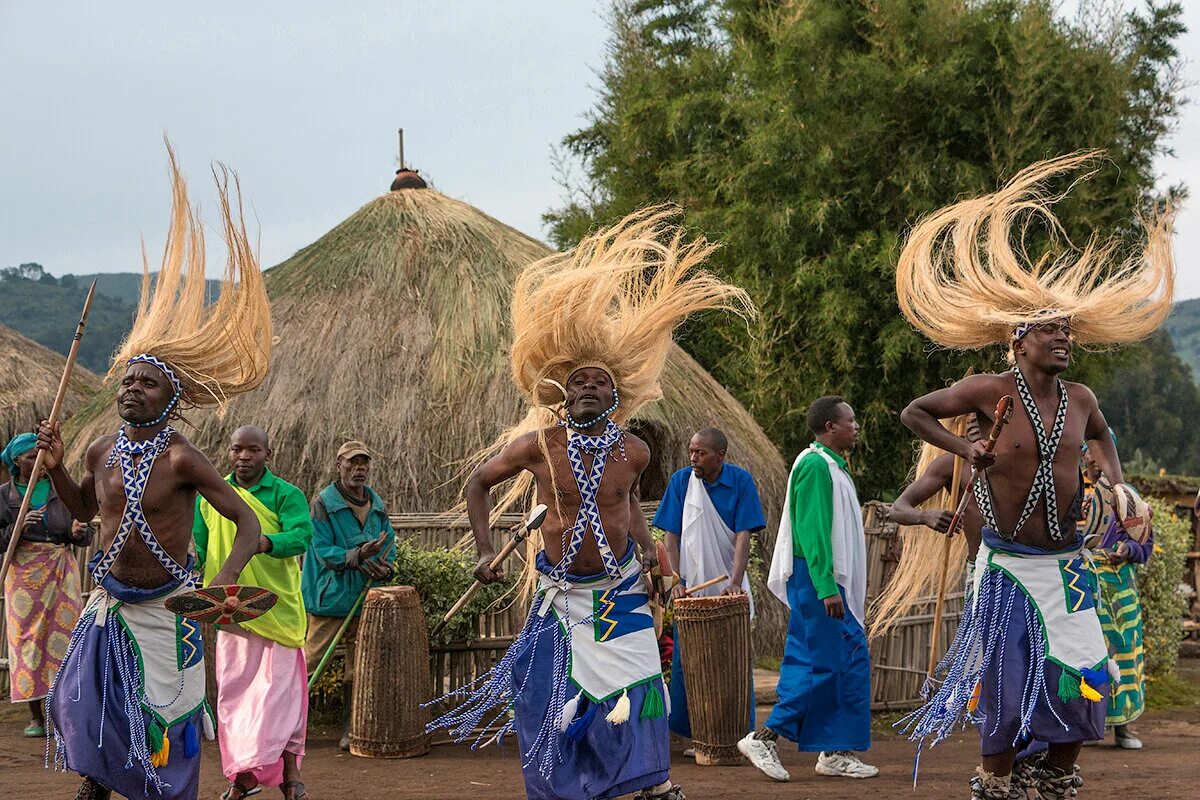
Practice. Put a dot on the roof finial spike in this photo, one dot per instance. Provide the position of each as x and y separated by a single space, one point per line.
400 133
406 178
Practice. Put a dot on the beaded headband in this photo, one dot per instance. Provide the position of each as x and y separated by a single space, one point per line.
146 358
1025 327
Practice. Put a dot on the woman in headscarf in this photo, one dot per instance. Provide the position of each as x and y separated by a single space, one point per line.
41 593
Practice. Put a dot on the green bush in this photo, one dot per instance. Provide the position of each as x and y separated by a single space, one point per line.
1162 598
440 577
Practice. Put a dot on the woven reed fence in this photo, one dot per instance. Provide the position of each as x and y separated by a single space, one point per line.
898 660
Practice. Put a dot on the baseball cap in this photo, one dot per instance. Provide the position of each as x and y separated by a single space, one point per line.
353 448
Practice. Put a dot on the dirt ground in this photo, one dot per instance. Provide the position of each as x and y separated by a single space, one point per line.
1168 767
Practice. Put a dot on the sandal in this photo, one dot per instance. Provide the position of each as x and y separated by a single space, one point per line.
298 791
242 792
35 731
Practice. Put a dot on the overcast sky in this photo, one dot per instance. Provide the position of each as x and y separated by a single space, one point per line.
304 103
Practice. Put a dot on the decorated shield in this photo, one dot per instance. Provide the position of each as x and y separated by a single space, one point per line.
223 605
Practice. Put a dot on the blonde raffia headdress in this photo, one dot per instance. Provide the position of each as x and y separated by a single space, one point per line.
966 282
209 352
613 302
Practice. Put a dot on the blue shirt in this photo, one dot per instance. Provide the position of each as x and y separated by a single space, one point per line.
733 494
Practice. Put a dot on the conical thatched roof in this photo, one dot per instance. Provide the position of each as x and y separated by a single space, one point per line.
29 376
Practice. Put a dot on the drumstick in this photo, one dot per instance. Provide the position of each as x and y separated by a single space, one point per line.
693 589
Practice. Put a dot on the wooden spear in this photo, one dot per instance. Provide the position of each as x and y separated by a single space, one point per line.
55 410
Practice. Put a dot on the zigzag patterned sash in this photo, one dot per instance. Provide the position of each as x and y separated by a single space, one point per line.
134 478
1043 478
589 485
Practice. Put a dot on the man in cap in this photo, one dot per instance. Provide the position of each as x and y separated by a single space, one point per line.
353 546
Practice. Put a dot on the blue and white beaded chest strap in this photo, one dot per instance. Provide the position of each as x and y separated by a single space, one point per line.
1043 478
588 484
134 477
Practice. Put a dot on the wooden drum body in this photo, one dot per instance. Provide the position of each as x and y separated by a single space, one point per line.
391 676
714 636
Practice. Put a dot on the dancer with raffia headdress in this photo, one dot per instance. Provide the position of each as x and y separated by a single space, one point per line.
1030 651
592 330
128 706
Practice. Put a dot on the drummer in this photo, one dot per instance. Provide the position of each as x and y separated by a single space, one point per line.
262 694
709 511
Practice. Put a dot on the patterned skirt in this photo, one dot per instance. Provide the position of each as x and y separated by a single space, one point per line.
42 604
1121 619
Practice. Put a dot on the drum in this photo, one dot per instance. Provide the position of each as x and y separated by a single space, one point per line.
391 676
714 637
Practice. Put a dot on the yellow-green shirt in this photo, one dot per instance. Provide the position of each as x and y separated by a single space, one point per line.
282 511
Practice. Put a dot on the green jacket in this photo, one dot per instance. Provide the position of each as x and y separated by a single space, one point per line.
811 489
329 584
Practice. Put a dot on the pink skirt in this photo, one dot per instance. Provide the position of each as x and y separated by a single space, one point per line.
262 704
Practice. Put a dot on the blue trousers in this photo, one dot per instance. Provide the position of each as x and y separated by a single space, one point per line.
825 678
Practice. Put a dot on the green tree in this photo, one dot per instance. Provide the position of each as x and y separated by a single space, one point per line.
1152 403
807 137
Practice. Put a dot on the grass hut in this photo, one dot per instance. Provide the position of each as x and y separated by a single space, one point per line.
392 328
29 377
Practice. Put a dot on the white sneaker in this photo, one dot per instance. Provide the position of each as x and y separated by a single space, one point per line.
844 764
765 755
689 753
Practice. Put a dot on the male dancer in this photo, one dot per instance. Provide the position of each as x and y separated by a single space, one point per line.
1029 651
592 330
128 704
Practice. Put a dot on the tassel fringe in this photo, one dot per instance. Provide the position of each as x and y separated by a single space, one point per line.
577 729
620 712
652 705
159 758
1069 686
569 709
191 740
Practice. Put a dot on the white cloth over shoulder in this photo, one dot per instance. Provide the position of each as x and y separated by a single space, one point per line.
848 539
706 544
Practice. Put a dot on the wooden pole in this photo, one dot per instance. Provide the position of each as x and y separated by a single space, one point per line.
55 410
700 586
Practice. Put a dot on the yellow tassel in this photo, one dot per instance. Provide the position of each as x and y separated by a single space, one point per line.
620 712
1088 692
159 759
973 703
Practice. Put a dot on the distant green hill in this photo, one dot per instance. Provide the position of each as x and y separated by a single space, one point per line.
46 309
1184 327
127 286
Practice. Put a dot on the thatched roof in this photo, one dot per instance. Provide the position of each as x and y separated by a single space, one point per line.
392 329
29 376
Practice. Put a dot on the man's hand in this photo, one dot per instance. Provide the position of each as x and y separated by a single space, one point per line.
834 606
51 443
264 544
375 570
677 591
79 531
33 518
937 518
1120 555
484 572
977 455
649 560
369 550
733 588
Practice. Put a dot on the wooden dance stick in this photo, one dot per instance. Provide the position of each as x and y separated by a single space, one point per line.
1000 419
536 517
691 590
55 410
